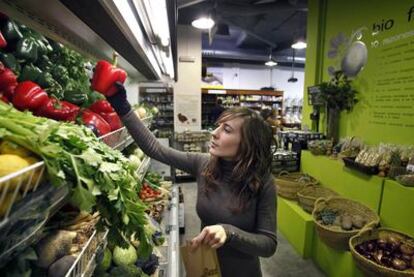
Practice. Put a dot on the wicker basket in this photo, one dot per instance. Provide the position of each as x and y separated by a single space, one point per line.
368 267
288 184
334 236
308 195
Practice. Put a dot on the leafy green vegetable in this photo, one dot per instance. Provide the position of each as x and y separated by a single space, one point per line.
100 177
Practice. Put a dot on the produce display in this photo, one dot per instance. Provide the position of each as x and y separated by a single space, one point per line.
100 178
51 80
390 250
348 147
340 220
320 147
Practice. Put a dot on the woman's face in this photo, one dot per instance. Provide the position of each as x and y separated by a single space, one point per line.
225 139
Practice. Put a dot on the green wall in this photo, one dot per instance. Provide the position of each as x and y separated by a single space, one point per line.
386 84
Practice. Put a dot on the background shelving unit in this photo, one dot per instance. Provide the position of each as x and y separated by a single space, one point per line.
163 99
189 142
254 99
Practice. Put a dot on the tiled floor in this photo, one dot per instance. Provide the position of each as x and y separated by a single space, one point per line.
284 263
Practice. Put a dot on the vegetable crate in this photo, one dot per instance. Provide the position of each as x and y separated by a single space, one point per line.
16 186
85 263
119 139
26 204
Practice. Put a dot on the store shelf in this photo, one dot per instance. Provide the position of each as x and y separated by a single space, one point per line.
296 226
60 24
142 170
25 223
349 183
332 262
173 236
85 263
120 139
397 208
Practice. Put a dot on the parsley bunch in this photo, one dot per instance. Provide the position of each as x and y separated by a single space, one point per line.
100 177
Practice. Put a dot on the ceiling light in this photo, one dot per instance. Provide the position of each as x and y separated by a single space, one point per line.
299 45
203 23
270 63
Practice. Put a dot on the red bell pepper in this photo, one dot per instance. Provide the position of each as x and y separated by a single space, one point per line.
3 42
105 76
8 81
58 110
4 98
113 120
29 95
101 106
95 122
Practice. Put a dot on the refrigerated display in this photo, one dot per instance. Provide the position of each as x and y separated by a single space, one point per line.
145 50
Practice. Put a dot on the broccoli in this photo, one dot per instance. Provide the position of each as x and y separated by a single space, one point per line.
126 271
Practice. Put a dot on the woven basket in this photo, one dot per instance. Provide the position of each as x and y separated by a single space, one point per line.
288 184
368 267
334 236
308 195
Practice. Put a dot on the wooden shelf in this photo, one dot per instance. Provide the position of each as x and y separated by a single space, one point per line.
242 92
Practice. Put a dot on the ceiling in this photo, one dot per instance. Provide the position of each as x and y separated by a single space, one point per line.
246 31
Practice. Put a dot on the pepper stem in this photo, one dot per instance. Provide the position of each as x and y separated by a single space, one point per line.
115 58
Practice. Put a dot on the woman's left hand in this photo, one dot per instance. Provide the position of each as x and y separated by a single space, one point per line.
214 236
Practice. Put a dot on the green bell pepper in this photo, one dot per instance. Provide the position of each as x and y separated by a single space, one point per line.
26 49
10 62
43 62
55 90
11 31
46 80
30 73
60 74
75 96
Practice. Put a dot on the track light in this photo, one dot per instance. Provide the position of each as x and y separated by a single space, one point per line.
203 23
299 45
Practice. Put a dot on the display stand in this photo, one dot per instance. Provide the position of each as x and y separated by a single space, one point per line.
397 208
296 226
347 182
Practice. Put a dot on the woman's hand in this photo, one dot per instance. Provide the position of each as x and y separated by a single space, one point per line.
214 236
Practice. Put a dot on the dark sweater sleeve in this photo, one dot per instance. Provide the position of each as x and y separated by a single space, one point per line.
189 162
263 241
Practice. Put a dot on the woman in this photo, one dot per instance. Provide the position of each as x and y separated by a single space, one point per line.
236 199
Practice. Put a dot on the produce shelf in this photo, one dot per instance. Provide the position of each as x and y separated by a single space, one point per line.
397 207
85 263
120 139
142 170
174 241
16 185
296 225
25 225
347 182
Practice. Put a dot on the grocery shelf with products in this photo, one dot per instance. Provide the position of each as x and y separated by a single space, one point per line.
254 99
66 189
78 197
189 142
162 99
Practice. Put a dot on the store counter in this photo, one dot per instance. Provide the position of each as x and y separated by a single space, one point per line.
347 182
296 226
397 207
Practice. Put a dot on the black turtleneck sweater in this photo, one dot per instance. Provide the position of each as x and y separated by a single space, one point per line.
251 233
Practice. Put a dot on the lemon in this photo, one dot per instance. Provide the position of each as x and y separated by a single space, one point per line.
10 163
8 147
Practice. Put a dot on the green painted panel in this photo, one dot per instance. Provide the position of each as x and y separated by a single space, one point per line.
347 182
334 263
386 83
296 225
397 208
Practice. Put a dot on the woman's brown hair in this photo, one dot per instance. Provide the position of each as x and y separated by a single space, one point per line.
253 162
